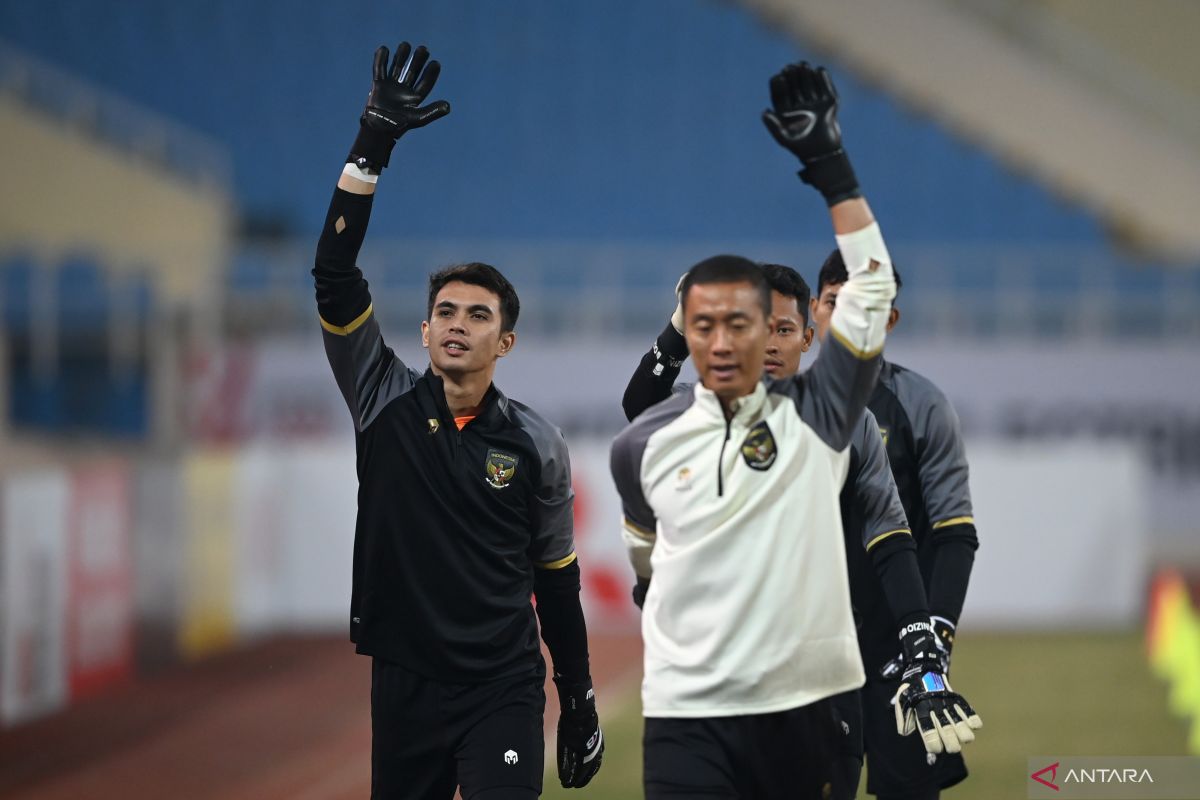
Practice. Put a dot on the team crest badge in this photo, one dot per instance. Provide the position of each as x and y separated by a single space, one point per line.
884 433
758 448
434 425
500 469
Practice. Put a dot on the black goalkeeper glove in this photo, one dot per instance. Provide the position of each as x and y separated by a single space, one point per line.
804 121
925 702
943 629
394 104
580 740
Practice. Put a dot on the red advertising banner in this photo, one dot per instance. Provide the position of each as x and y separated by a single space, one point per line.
100 578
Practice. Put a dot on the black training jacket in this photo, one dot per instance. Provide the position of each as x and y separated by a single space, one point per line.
451 524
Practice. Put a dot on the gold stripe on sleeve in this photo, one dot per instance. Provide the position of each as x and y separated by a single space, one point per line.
864 355
638 530
946 523
883 536
355 324
562 562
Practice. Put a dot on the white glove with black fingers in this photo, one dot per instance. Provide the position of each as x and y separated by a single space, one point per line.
925 702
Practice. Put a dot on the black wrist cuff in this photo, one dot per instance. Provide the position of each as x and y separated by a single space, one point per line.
672 346
833 176
372 149
574 686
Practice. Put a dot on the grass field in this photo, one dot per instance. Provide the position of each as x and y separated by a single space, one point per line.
1038 694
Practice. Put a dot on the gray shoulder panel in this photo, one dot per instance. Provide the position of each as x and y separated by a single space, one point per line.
874 487
833 393
941 456
628 449
369 374
553 511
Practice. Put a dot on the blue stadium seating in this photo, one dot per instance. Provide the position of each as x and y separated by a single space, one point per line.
622 121
619 120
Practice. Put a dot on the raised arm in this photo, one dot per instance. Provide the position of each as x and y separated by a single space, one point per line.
833 395
654 379
367 372
835 391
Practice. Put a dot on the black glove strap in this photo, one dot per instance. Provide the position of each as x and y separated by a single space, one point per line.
372 149
575 695
917 641
833 176
670 348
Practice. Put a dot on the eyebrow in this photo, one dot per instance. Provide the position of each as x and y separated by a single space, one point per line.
473 308
732 315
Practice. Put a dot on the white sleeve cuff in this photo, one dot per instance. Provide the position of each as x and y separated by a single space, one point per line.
639 544
864 302
862 247
354 171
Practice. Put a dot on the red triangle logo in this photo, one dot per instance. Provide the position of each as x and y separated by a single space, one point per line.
1053 770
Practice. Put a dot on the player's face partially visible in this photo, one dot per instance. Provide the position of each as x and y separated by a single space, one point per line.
822 308
726 333
464 333
790 337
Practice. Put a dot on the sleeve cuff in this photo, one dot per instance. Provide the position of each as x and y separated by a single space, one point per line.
672 344
862 247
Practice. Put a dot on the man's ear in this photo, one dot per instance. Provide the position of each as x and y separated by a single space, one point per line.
893 318
806 342
425 334
508 340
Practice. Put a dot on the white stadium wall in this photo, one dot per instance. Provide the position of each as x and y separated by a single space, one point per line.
1083 482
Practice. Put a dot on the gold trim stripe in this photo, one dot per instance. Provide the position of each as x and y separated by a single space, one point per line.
946 523
562 562
883 536
863 355
346 330
638 530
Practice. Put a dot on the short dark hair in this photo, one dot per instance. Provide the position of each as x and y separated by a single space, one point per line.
478 274
833 271
789 283
728 269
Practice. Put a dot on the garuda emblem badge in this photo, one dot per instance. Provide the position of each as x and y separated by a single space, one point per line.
758 448
500 469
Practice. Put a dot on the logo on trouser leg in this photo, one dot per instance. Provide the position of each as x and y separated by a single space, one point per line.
510 757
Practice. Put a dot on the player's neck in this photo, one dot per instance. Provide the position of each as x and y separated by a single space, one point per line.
465 391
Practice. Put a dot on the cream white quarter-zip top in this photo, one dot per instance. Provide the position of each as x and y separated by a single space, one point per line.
749 609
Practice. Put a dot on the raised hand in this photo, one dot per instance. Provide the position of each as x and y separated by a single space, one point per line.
394 104
803 119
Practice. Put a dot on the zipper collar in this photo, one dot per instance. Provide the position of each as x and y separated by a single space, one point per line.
491 410
744 408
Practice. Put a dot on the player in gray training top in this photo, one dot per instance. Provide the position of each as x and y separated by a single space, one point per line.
925 450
